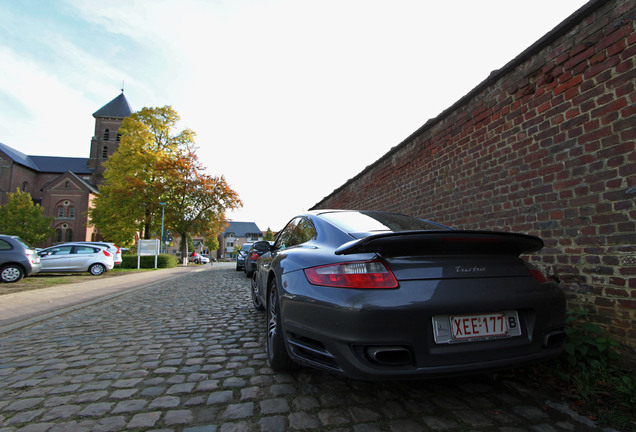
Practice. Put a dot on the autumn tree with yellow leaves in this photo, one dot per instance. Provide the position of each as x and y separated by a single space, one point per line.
154 165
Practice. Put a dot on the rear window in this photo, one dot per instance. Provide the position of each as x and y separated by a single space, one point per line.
23 243
369 222
261 246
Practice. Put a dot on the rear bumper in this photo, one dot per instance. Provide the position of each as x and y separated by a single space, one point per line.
372 334
35 269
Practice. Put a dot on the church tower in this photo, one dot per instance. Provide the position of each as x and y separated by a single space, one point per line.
108 119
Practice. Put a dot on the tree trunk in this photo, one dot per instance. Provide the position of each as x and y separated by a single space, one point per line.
147 225
184 244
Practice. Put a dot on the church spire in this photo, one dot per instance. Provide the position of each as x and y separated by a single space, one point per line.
117 108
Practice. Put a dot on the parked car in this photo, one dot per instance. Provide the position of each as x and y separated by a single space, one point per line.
111 247
380 295
253 253
240 257
76 257
17 259
198 258
211 259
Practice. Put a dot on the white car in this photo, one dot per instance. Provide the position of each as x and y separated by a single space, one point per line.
111 247
199 259
76 257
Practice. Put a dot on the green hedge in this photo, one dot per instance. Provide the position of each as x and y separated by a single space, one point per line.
163 261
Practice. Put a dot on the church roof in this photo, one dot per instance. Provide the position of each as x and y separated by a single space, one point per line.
48 164
18 157
55 164
117 108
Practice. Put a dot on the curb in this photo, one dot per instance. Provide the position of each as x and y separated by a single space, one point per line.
64 310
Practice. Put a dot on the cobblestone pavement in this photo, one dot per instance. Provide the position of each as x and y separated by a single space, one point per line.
188 355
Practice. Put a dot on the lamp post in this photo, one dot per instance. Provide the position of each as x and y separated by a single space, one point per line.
163 208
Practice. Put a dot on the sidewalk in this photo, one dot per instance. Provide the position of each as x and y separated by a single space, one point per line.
27 307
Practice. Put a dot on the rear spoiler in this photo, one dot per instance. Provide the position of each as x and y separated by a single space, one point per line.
417 243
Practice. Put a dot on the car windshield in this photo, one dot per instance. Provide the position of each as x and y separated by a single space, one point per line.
369 221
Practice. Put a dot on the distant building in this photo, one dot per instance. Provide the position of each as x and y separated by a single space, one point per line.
66 186
236 235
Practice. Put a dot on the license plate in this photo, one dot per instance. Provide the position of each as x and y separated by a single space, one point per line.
471 328
478 326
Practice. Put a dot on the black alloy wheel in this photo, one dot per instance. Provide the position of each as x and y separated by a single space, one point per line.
277 354
256 301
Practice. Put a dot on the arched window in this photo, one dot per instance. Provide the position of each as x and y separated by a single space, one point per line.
105 152
25 187
69 235
58 235
60 212
106 134
71 212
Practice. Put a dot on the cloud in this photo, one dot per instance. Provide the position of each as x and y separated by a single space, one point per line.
298 95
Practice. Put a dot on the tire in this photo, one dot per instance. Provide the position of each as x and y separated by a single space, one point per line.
255 300
11 273
97 269
277 355
196 261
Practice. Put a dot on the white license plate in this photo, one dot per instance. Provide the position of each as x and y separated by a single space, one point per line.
472 328
478 326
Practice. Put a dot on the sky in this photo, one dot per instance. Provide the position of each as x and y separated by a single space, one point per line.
289 98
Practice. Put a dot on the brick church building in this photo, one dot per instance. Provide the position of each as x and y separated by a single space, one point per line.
65 186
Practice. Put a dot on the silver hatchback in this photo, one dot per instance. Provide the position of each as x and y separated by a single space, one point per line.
17 259
75 257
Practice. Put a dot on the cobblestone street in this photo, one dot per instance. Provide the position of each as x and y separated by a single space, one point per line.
189 355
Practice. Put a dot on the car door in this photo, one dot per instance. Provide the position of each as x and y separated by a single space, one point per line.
82 257
298 231
56 258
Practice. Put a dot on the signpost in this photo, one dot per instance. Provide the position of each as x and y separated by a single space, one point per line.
147 248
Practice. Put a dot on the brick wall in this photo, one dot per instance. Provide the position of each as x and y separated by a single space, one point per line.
543 146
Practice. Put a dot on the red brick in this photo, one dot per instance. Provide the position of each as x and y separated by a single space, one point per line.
522 155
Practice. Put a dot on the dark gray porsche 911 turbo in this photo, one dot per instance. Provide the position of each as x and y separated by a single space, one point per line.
374 295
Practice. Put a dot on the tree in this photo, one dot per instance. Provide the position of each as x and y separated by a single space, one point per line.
21 217
196 201
269 235
212 243
152 165
129 197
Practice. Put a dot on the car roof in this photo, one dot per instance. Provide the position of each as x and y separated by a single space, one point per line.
94 242
74 244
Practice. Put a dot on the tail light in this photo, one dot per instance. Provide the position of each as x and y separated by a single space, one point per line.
254 256
359 274
536 273
108 254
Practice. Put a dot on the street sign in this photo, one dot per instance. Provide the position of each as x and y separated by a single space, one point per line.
147 248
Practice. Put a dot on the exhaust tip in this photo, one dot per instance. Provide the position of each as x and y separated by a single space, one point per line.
554 338
389 355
